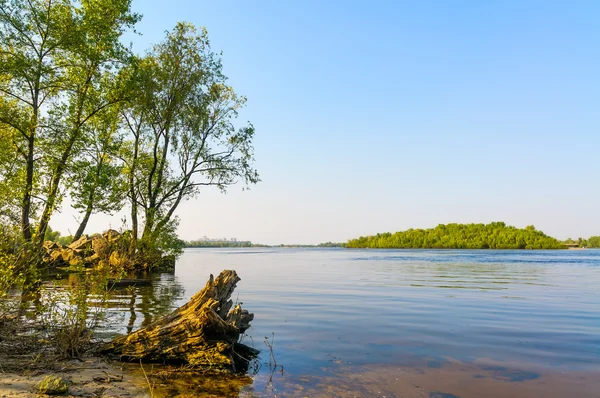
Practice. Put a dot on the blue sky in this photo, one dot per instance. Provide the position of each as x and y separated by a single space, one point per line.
381 116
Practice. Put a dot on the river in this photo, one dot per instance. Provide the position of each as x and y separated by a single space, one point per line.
400 323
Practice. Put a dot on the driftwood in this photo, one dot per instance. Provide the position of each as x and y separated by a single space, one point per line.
203 333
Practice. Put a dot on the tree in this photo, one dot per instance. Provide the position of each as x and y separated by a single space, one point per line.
11 177
182 135
96 182
57 73
593 241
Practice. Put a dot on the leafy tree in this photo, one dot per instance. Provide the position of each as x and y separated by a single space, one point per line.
11 177
182 135
79 115
593 242
57 61
96 182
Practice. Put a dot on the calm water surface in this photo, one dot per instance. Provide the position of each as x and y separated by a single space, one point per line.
422 323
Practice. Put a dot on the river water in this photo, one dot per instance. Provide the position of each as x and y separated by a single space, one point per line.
400 323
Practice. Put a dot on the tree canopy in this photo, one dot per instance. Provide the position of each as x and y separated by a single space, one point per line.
82 116
495 235
593 242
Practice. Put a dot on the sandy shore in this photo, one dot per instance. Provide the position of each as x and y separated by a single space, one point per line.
90 377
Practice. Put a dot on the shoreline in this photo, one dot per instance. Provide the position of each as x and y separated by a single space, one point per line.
89 377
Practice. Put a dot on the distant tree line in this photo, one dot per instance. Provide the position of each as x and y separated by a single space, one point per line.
218 243
593 242
495 235
207 242
331 244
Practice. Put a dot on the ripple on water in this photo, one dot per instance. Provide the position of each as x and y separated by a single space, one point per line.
377 309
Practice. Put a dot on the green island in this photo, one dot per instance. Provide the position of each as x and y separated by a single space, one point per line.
495 235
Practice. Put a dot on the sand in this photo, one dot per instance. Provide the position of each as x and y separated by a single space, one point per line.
90 377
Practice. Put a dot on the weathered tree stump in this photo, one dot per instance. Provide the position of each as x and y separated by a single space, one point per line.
202 333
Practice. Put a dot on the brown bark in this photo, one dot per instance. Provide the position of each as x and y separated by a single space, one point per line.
90 203
202 333
86 217
26 203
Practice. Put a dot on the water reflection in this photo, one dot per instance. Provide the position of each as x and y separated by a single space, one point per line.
378 308
374 322
435 379
130 307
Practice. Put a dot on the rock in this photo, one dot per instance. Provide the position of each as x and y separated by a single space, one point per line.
56 255
118 259
112 236
93 259
49 246
67 254
82 243
76 261
101 246
53 385
106 250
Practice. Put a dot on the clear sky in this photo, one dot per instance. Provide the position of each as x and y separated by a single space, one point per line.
377 116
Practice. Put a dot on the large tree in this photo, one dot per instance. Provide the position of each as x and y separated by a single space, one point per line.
58 62
96 183
182 132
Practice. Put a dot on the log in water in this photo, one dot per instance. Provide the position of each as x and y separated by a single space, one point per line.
203 333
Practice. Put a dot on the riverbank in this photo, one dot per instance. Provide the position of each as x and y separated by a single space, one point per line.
26 358
87 377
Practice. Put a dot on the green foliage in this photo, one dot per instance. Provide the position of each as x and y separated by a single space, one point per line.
593 242
181 125
11 177
80 115
96 181
58 63
496 235
19 267
167 241
331 244
65 240
162 249
52 235
11 270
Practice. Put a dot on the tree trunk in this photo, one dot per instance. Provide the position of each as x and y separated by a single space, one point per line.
203 333
88 211
57 175
148 223
132 194
83 224
26 204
